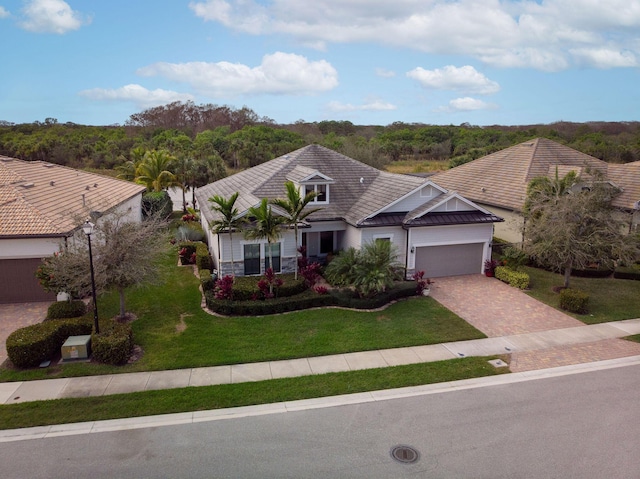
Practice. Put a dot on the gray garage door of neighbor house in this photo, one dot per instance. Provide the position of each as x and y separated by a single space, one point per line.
449 260
18 283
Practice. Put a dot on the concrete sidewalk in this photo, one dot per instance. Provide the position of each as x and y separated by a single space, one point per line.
566 338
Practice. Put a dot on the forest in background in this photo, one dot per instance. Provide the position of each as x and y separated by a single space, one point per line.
241 138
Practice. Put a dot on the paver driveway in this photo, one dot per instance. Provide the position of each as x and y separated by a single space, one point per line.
16 316
496 308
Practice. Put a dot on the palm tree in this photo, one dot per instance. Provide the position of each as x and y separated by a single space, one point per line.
229 219
542 191
154 170
267 227
183 168
294 205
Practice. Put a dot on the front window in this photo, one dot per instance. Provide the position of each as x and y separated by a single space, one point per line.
251 259
275 254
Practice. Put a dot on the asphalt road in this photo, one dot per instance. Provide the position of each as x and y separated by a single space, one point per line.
576 426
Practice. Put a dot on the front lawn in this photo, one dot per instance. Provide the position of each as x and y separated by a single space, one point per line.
175 333
610 299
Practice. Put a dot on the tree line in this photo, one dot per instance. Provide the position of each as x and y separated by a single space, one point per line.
241 138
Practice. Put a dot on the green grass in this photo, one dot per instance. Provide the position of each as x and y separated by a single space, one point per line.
211 340
64 411
610 299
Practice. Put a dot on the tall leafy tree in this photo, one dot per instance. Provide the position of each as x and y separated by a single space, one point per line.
579 228
267 226
205 170
295 207
125 254
229 219
154 171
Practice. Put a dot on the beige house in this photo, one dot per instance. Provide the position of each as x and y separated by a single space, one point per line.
498 182
433 229
42 208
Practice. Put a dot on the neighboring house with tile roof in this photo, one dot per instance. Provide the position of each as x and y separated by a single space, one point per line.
42 208
498 182
434 229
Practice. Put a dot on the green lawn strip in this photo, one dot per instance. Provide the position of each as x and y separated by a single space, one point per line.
63 411
610 299
635 338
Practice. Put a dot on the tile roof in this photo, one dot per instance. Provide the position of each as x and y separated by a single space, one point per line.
43 199
500 179
357 191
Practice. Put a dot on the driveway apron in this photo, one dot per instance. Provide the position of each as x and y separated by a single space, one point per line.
18 315
496 308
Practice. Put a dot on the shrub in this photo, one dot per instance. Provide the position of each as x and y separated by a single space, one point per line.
207 281
514 257
310 272
246 287
422 283
574 300
321 289
517 279
190 232
203 258
66 309
113 345
223 289
28 347
157 203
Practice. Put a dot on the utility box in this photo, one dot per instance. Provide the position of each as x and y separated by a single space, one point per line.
76 347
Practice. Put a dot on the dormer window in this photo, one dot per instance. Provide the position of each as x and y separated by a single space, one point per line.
311 181
321 190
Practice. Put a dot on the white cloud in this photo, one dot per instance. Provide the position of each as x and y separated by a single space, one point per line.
137 94
4 13
381 72
374 105
606 58
51 16
547 35
467 104
279 73
465 78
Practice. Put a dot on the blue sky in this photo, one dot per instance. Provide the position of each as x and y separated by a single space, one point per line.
440 62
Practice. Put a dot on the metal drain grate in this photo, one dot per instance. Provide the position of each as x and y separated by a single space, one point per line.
405 454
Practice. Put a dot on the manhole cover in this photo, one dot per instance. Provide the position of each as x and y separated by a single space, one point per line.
405 454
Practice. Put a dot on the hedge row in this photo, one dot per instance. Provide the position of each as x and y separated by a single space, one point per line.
574 300
246 287
627 273
28 347
66 309
306 300
203 258
517 279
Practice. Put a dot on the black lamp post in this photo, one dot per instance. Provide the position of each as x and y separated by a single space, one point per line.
88 230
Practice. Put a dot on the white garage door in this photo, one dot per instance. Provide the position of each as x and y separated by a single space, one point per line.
449 260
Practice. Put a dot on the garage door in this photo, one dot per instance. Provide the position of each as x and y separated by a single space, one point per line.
18 283
449 260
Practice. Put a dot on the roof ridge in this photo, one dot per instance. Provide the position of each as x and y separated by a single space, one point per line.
535 144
